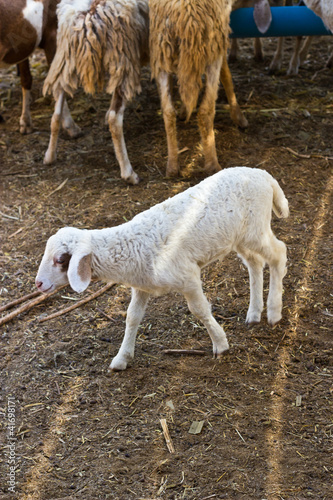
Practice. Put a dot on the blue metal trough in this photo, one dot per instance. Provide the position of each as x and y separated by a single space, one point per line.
286 21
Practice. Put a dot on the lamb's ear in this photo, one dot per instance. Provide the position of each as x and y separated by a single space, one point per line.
79 271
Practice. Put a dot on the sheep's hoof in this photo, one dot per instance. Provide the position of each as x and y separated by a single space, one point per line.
73 131
238 118
133 179
49 158
212 168
25 129
172 171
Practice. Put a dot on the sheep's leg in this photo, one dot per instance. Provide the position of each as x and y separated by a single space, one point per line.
200 307
258 53
305 49
275 254
206 115
169 117
51 153
67 122
255 264
115 118
235 111
232 57
26 83
276 63
295 58
135 313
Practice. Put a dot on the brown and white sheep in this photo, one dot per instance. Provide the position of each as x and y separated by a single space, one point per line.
24 26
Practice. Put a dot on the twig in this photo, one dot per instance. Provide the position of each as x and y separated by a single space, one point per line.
195 352
27 306
18 301
59 187
282 339
167 435
308 156
104 314
78 304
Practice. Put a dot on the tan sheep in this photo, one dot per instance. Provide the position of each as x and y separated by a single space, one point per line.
189 38
98 41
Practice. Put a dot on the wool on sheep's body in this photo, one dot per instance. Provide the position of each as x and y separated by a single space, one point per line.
185 37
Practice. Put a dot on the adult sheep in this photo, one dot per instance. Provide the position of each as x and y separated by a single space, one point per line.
98 40
189 38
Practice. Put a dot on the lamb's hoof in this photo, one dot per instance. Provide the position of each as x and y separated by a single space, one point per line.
253 318
117 366
218 353
274 317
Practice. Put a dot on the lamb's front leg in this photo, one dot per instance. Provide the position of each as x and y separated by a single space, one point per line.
135 313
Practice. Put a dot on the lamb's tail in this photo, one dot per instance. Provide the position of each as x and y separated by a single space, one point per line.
280 202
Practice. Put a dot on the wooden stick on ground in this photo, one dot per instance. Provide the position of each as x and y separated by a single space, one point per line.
27 306
196 352
78 304
18 301
167 435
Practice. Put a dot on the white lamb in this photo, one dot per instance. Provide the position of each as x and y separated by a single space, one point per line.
164 249
99 40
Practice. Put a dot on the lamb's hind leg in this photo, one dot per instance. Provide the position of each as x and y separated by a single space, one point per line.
206 115
135 313
275 254
200 307
115 118
255 264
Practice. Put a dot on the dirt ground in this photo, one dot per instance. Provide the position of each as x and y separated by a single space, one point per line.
74 431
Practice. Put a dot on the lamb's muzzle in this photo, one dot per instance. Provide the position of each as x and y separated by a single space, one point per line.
164 249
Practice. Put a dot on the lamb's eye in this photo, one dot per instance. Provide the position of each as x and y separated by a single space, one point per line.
62 261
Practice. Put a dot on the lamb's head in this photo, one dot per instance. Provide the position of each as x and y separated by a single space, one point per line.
67 259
